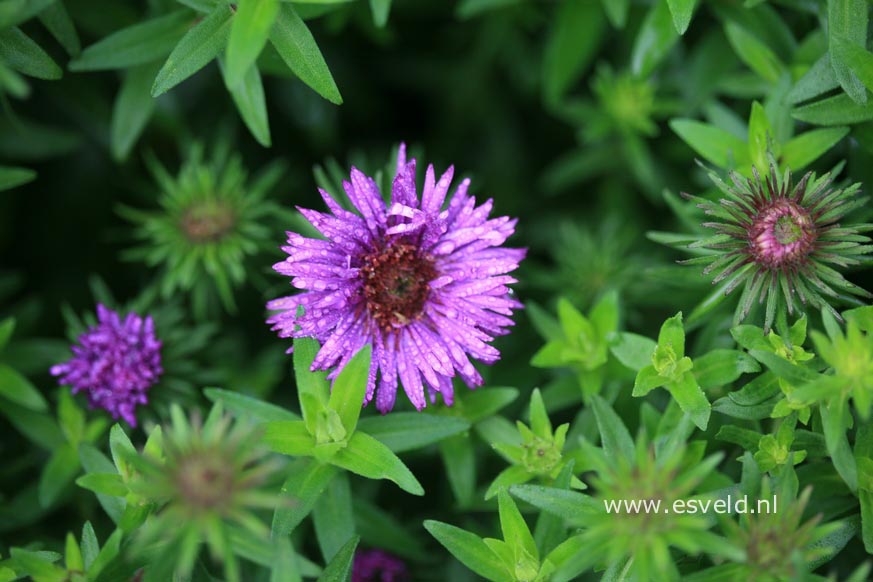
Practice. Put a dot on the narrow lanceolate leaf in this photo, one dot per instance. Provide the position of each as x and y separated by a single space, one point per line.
713 144
132 110
837 110
380 10
847 21
516 532
18 389
135 45
19 52
406 431
574 507
617 441
340 567
305 484
469 549
197 48
858 60
288 438
248 35
298 49
240 404
248 96
656 37
806 148
333 516
58 22
682 10
368 457
58 473
350 388
577 30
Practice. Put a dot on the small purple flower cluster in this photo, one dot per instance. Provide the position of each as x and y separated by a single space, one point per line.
378 566
114 363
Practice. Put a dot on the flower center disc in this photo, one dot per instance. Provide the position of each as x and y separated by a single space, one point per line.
782 233
209 222
396 284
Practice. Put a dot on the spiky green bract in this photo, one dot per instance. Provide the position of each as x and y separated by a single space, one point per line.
658 475
778 543
211 219
206 479
783 242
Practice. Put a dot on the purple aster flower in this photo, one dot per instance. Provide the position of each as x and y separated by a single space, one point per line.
115 363
378 566
426 286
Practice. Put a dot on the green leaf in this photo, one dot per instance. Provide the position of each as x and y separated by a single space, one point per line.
248 35
18 389
105 483
459 461
480 404
58 473
574 507
19 52
122 449
12 177
248 96
198 47
760 138
633 350
298 49
96 462
783 368
90 545
350 388
7 328
340 568
288 437
333 517
132 110
406 431
838 110
58 22
713 144
806 148
242 405
308 382
616 11
306 482
136 45
73 554
847 23
515 530
369 458
379 528
682 10
833 418
577 30
721 367
285 567
469 549
380 10
38 567
754 53
617 441
691 399
819 79
108 553
71 418
571 558
657 36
